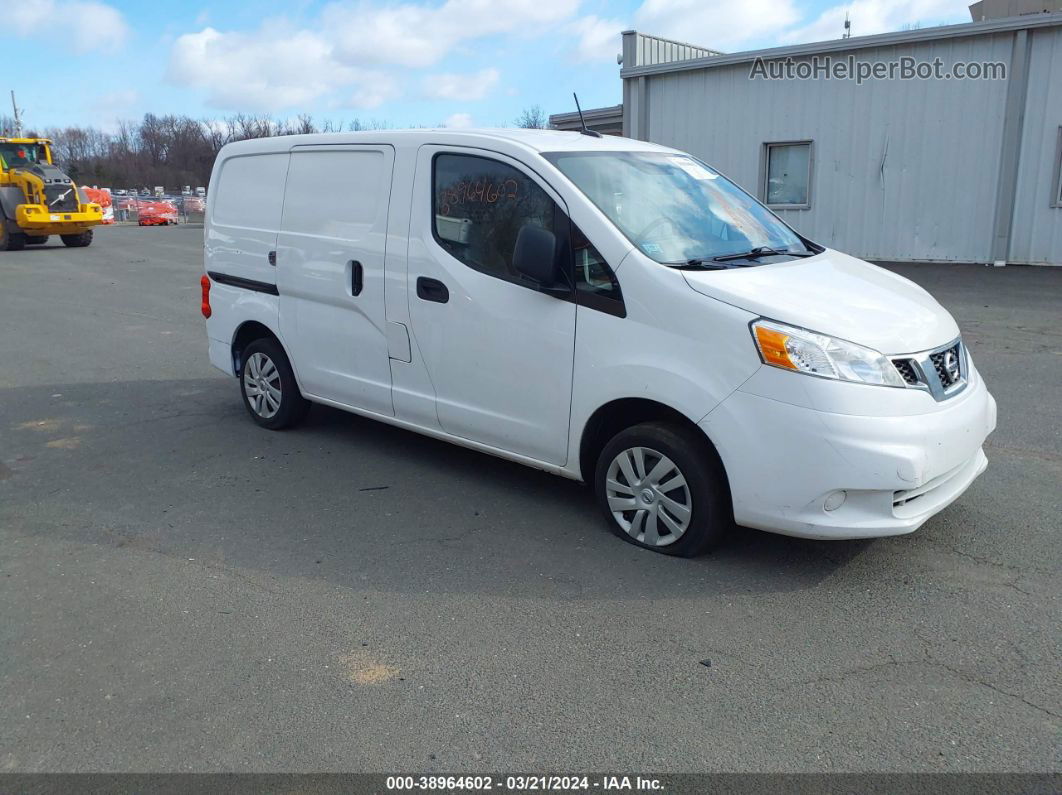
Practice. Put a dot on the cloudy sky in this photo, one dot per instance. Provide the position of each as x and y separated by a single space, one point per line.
458 62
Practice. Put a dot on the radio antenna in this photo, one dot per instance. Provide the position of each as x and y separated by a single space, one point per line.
18 116
586 130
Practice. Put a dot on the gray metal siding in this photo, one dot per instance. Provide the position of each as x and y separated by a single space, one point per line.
1037 231
903 170
651 50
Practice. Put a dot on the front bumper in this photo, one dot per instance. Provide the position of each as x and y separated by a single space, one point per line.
783 462
33 219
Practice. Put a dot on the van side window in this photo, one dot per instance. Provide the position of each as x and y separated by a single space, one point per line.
595 283
479 206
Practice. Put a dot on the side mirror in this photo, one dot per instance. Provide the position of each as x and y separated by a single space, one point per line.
535 256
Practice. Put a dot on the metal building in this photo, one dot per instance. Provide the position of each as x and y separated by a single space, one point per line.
607 121
935 169
994 9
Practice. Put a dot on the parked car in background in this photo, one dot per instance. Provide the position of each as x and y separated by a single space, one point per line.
726 368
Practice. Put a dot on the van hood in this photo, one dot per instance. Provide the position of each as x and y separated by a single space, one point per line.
838 295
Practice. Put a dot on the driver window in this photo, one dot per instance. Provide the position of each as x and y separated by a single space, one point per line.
480 205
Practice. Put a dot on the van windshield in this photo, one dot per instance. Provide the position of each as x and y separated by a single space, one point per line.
676 209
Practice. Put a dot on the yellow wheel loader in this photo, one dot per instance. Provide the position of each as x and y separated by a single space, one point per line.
38 200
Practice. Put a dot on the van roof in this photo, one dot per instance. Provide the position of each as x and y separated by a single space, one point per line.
534 140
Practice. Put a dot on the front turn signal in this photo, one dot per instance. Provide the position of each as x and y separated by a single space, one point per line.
771 343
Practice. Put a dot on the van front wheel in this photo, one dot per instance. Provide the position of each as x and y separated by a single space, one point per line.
268 386
662 488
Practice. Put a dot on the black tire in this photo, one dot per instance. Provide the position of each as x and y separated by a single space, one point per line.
36 240
293 406
77 241
11 241
706 491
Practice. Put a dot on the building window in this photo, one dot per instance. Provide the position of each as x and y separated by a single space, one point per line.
787 175
1056 195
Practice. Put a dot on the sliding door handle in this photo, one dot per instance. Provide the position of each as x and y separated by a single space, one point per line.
356 277
432 290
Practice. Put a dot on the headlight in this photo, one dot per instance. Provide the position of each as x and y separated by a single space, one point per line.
806 352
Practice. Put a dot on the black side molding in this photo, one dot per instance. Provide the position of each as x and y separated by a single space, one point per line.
246 284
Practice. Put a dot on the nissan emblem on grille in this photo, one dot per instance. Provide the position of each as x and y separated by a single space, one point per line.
940 371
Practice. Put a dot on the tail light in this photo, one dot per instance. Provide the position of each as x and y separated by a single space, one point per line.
205 306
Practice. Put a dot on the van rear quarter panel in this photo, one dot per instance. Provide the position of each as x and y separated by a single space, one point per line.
231 307
241 227
243 218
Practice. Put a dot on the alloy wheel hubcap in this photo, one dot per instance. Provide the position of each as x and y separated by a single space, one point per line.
648 496
261 384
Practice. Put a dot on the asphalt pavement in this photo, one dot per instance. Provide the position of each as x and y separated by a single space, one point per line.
183 591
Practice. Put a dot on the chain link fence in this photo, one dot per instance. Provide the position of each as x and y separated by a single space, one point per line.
158 211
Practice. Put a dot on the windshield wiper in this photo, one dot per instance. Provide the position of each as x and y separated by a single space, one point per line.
762 251
702 264
725 261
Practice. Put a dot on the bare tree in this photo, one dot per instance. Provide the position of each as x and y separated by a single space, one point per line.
172 151
533 118
304 124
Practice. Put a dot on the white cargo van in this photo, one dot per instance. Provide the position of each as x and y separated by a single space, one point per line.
600 308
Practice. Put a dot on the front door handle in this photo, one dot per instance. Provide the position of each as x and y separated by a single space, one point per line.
356 276
432 290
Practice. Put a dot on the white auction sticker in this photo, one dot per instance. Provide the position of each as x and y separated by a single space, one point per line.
692 167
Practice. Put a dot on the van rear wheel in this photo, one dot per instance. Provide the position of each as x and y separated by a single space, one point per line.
267 383
662 488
